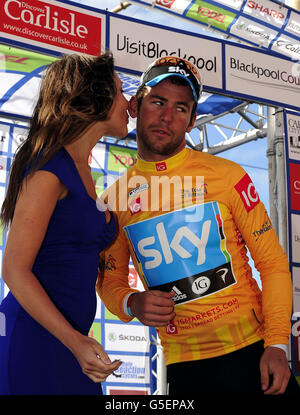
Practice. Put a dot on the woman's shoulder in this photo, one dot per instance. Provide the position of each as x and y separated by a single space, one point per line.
61 166
56 160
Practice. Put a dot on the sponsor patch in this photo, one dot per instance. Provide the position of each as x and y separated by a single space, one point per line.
161 166
266 226
247 192
135 206
200 285
239 237
188 257
138 189
132 278
171 328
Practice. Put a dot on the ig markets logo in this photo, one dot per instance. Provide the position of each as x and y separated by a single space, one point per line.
247 192
171 328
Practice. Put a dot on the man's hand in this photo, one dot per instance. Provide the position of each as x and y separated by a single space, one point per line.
274 362
153 308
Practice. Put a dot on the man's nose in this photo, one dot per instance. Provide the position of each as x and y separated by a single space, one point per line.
167 114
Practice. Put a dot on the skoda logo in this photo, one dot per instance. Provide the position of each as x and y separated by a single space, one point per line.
112 337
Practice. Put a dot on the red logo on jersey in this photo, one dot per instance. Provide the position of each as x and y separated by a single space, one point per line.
247 192
171 328
135 206
161 166
238 236
132 278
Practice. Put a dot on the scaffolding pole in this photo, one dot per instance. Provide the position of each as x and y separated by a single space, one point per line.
281 179
272 167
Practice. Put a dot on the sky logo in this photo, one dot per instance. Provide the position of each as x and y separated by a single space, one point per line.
173 246
169 248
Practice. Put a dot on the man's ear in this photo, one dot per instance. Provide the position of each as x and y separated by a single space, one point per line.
132 109
191 124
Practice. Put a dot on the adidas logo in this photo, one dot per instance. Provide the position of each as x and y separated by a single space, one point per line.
178 294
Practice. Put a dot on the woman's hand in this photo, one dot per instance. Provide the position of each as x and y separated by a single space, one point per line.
92 358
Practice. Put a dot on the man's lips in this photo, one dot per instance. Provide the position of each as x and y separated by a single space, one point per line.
161 132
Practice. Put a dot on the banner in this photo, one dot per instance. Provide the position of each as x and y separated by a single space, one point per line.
267 77
52 26
225 67
268 24
136 44
292 150
20 76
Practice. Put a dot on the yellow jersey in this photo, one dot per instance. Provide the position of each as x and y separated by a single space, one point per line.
186 223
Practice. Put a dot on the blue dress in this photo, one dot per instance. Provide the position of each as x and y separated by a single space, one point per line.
33 361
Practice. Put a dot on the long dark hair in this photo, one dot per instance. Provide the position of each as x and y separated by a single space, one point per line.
76 90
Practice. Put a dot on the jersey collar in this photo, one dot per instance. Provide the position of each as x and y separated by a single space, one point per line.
164 165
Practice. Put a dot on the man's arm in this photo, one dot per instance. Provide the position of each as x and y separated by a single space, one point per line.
271 262
152 308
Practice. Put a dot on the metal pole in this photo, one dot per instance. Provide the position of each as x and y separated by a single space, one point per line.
123 6
272 167
161 372
295 4
281 180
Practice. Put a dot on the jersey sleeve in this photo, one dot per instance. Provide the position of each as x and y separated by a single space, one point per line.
112 284
254 224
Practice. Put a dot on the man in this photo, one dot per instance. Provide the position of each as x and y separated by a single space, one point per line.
185 219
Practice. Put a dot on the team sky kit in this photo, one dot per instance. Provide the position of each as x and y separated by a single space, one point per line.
190 236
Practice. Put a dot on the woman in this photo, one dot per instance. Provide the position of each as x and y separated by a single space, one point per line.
56 233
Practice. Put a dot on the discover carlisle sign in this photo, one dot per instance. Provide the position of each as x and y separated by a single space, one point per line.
52 26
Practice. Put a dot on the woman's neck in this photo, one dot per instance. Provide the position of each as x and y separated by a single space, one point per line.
80 149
